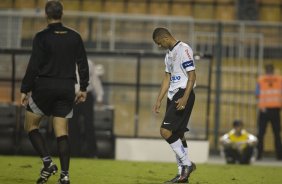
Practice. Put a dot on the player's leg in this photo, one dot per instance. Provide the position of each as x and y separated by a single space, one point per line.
276 127
231 155
246 155
262 122
179 164
181 131
172 130
60 126
169 105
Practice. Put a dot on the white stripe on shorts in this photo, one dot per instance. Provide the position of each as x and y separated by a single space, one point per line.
34 107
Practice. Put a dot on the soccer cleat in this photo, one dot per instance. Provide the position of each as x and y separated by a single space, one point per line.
185 173
173 180
46 172
64 180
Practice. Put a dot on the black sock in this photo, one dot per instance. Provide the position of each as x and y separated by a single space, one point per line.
172 138
39 145
184 144
64 153
64 173
47 161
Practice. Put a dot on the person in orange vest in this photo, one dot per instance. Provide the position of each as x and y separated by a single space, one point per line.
269 95
238 145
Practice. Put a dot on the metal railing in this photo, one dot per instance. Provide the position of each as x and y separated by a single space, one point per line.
239 48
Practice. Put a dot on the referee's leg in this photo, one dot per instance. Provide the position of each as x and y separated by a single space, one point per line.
32 121
61 132
31 126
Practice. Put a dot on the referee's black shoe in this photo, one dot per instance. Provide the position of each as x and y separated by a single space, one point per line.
64 179
46 172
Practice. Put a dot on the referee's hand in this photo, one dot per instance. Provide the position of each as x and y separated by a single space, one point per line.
80 97
24 99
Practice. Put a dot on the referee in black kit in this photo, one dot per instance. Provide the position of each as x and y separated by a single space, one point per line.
48 87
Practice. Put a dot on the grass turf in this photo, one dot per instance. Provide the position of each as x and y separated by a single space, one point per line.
25 170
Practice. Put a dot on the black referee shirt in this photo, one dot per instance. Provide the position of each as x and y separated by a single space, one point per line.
55 52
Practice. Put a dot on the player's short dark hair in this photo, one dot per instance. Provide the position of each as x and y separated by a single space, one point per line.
159 32
269 68
237 123
54 9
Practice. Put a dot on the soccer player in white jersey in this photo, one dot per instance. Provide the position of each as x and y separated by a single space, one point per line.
178 83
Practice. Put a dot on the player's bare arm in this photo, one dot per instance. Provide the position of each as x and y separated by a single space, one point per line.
162 92
181 102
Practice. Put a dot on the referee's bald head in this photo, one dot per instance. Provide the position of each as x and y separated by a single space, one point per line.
161 32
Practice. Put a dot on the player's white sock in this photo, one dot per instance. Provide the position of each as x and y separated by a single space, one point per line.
187 155
179 161
179 150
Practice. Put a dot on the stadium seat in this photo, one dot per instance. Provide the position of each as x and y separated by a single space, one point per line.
270 13
181 9
6 4
136 7
93 6
104 132
225 12
72 5
203 11
23 4
104 120
8 128
157 8
113 6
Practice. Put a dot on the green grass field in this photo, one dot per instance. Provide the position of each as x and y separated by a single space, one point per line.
25 170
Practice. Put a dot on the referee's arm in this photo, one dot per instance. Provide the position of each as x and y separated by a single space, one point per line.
83 68
33 66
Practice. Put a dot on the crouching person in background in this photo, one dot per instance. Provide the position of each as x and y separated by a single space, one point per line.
238 145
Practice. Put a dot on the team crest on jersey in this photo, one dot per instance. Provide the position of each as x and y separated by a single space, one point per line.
171 67
174 56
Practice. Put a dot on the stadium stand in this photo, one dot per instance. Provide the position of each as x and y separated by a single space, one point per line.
263 10
9 128
108 25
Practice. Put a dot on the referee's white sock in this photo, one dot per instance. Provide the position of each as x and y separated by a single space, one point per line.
180 152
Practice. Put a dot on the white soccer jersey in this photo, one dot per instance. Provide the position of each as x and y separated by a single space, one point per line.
178 62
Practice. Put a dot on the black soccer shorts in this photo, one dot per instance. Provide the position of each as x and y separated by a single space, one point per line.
52 97
177 120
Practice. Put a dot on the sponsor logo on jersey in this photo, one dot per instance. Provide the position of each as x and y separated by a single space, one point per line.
60 32
175 78
188 64
187 52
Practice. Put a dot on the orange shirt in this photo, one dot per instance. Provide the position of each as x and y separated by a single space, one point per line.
270 91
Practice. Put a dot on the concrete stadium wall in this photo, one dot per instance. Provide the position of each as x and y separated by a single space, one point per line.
157 150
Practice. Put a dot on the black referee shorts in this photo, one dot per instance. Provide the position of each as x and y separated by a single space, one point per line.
52 97
177 120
